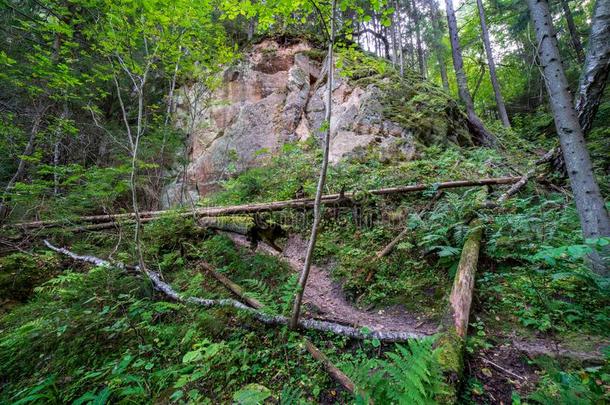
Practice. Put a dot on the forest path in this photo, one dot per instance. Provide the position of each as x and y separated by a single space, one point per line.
325 300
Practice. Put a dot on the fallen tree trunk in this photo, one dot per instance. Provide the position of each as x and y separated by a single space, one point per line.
231 286
516 187
454 326
275 205
330 368
269 319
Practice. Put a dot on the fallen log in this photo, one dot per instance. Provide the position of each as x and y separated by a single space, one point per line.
330 368
231 286
269 319
451 341
327 199
516 187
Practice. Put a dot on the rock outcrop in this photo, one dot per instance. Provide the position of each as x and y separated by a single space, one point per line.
273 96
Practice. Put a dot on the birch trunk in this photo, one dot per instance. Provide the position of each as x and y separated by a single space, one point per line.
594 76
593 215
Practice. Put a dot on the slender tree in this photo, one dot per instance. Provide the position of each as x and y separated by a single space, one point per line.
421 60
574 37
482 135
593 215
398 18
317 213
437 33
492 66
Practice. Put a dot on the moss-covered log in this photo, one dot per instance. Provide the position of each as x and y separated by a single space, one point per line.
454 326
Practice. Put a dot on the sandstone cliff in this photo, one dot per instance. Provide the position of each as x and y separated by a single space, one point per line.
274 95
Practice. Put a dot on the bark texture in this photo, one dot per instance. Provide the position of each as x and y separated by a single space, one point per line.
587 196
594 76
454 326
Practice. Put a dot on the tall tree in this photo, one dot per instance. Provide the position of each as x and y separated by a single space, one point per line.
594 75
398 19
437 35
574 37
594 218
317 213
492 66
481 134
421 60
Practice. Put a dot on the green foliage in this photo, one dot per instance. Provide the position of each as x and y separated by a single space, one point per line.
20 273
408 375
560 386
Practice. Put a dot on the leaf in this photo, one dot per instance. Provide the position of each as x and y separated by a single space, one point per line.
192 356
252 394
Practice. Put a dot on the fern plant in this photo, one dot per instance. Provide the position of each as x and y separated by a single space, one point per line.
409 375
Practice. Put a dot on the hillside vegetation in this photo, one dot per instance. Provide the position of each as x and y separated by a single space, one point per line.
447 259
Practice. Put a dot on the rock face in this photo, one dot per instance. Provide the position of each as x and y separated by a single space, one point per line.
276 95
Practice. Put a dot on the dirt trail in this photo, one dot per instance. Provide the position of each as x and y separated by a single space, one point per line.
324 297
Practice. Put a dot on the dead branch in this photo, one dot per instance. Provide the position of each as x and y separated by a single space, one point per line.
231 286
330 368
268 319
516 187
327 199
390 246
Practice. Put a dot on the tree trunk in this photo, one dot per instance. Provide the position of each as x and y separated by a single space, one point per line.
573 32
20 172
476 126
400 46
421 62
438 44
594 218
492 66
302 283
594 75
328 199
